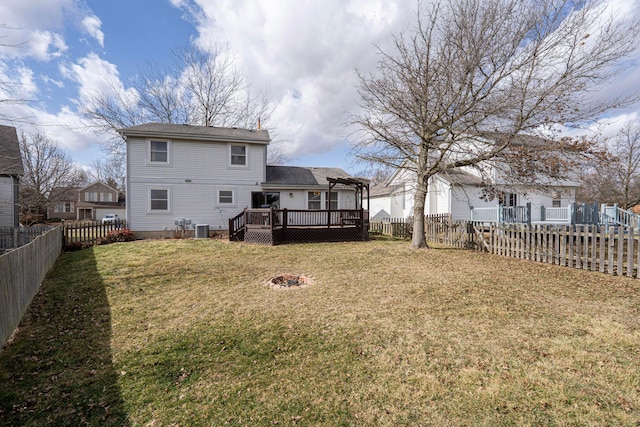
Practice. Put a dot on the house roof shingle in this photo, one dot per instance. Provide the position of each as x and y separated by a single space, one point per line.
196 133
10 160
302 176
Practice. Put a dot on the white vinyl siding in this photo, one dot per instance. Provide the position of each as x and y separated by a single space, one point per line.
198 170
6 201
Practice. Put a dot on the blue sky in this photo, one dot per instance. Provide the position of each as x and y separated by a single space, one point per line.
303 53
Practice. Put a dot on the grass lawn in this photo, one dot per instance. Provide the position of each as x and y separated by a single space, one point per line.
185 332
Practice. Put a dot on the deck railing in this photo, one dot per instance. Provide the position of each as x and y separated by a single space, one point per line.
614 215
272 226
264 218
508 214
556 214
485 214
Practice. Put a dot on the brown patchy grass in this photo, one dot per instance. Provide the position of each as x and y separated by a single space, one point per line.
187 333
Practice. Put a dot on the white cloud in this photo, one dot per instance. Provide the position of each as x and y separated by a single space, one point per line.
93 75
34 28
304 54
45 45
91 24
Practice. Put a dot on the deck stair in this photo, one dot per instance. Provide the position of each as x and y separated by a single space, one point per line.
615 215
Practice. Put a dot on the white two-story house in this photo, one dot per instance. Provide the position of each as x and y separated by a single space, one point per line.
182 175
460 191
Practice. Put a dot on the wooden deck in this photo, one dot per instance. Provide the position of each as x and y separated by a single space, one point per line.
276 226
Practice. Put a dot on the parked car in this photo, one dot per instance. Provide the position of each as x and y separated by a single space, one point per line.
110 219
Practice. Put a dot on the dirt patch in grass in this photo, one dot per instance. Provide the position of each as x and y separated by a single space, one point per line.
186 332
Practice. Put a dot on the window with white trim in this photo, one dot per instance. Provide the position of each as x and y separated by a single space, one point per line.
159 152
508 199
91 196
314 200
225 197
158 199
106 197
66 207
334 200
238 155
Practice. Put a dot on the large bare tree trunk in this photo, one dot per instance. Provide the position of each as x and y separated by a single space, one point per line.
418 240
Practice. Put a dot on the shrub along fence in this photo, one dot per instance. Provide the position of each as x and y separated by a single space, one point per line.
21 272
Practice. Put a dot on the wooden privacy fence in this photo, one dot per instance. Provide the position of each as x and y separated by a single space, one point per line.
21 273
607 249
14 237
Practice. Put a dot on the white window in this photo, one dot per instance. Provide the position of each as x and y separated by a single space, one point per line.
158 199
508 199
66 207
159 152
314 200
225 197
334 200
91 196
106 197
317 200
238 155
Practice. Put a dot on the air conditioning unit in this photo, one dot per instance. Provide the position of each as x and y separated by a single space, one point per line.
202 231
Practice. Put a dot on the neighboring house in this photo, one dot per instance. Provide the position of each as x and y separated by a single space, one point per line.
91 202
62 203
460 191
10 172
183 174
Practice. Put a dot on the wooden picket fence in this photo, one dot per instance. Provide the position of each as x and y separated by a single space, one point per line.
607 249
88 232
391 227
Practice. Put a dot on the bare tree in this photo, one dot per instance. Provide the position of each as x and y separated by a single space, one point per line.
616 177
110 171
200 88
9 89
47 170
474 67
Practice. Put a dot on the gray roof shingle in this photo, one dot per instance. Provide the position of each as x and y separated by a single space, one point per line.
10 160
196 133
302 176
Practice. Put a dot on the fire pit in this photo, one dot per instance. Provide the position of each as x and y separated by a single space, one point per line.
289 281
